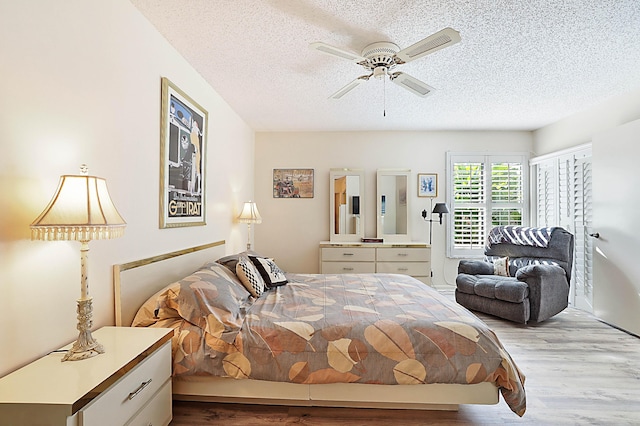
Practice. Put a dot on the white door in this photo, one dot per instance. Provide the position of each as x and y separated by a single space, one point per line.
616 214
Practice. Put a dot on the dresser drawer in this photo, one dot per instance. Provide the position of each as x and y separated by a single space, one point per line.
348 254
124 398
157 412
398 254
348 267
407 268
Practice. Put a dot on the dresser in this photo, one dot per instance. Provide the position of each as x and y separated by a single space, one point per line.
412 258
130 384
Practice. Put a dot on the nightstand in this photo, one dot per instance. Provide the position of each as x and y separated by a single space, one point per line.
129 384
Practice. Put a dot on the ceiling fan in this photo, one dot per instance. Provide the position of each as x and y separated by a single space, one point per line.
380 59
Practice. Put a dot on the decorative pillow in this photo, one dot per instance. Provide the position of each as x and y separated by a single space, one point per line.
249 276
269 271
501 266
231 260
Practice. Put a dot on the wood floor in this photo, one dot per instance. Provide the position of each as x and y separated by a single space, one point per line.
579 372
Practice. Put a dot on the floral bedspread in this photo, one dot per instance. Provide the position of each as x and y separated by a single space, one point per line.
352 328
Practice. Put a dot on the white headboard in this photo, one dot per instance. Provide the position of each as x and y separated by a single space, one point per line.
134 282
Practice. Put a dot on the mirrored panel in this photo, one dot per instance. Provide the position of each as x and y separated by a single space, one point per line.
346 194
393 205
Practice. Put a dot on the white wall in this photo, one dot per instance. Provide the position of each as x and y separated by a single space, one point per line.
580 128
292 228
80 83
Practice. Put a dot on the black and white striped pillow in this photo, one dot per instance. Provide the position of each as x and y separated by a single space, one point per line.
270 272
249 276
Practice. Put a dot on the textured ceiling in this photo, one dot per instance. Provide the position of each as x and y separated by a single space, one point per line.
520 65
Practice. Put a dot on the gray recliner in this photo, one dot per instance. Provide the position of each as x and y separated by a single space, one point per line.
539 265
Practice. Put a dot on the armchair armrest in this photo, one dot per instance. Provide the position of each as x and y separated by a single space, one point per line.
475 267
548 289
539 270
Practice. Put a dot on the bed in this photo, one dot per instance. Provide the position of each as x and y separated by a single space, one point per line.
348 340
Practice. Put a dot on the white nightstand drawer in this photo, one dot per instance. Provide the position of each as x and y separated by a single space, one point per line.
407 268
349 254
120 402
393 254
157 412
348 267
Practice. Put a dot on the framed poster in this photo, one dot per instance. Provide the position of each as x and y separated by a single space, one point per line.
292 183
183 145
427 185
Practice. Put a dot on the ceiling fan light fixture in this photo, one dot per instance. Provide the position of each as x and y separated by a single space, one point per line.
380 72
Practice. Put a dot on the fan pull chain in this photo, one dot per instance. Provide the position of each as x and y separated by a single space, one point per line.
384 97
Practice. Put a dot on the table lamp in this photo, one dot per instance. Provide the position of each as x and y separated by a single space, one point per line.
249 215
80 210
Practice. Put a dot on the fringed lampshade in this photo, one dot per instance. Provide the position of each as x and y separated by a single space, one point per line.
249 215
80 210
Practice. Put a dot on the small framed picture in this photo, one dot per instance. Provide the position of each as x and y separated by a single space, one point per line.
293 183
427 185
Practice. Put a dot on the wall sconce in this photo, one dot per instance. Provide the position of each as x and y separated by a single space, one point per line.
249 215
80 210
440 209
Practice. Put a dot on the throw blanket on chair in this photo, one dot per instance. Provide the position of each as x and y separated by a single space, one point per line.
519 235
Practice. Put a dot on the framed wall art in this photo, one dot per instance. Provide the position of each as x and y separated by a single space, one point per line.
292 183
183 145
427 185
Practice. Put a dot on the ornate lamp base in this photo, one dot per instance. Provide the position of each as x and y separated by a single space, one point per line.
86 346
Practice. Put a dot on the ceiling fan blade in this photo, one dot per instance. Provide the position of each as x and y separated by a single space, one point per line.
349 87
412 84
335 51
440 40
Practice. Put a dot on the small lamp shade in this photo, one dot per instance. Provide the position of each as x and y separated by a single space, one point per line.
80 210
250 213
440 208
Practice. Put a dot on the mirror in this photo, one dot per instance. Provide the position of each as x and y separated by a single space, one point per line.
393 205
346 194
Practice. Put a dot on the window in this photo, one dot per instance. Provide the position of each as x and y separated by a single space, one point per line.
484 191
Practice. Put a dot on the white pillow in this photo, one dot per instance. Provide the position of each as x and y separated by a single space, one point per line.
249 276
501 266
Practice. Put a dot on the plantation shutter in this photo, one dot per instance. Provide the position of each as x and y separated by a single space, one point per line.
546 193
470 205
484 191
565 186
583 219
564 198
506 193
